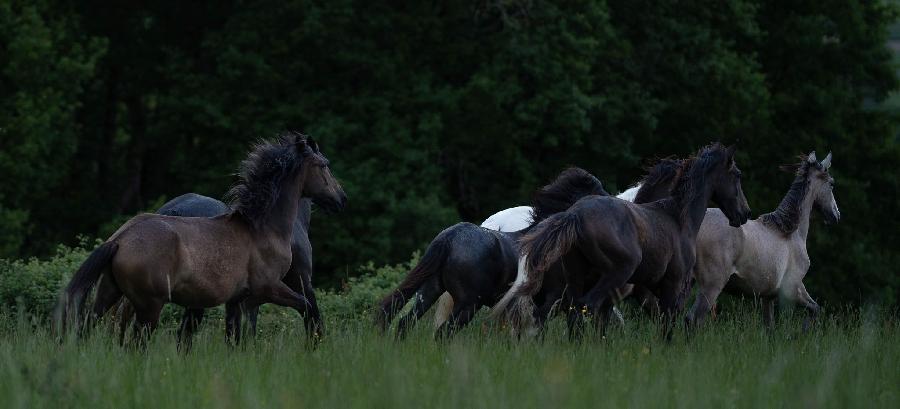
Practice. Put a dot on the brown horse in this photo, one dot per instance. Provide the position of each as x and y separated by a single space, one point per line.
613 242
200 262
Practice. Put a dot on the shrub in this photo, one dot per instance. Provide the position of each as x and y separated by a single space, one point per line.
33 285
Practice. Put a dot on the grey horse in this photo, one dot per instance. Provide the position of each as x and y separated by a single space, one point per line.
766 257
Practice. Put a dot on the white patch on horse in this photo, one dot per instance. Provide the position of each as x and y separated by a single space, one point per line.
169 286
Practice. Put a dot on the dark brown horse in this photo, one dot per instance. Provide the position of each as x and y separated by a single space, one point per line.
200 262
613 242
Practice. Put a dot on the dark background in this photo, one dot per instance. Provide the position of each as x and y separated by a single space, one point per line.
436 112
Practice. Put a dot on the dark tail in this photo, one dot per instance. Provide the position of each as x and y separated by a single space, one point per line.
430 264
70 307
545 245
542 247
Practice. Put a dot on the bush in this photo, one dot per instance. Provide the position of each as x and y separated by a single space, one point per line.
359 294
33 285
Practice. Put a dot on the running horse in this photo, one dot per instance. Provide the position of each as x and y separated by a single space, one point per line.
611 242
766 257
200 262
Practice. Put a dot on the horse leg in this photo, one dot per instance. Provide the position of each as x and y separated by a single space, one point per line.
313 318
233 322
768 310
811 306
251 313
190 320
146 321
422 301
705 301
462 314
108 294
126 314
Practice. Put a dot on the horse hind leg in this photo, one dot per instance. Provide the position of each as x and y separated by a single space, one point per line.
190 321
462 314
108 294
427 295
146 321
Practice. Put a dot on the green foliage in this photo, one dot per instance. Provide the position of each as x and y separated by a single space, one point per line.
432 113
34 285
46 62
359 295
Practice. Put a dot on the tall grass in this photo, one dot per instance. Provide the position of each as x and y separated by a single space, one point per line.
851 359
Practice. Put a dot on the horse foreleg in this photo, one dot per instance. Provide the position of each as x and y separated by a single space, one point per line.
811 306
190 320
313 318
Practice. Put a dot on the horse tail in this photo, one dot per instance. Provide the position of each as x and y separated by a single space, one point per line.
443 310
70 306
430 264
541 248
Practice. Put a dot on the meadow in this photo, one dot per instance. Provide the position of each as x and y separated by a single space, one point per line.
850 359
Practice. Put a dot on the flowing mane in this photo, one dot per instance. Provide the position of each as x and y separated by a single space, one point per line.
662 175
693 180
261 175
571 185
786 217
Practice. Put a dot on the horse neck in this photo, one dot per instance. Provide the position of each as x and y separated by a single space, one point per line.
304 212
286 208
691 210
805 214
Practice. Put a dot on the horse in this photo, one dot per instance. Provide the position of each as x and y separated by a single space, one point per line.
766 257
473 264
298 278
202 262
614 242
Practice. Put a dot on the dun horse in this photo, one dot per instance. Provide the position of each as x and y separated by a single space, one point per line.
473 264
298 278
766 257
199 262
613 242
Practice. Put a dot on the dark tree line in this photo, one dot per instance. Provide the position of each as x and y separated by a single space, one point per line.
435 112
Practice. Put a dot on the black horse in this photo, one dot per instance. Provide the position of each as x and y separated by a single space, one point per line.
474 264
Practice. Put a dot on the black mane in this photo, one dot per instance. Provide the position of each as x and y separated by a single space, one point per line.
571 185
261 176
661 175
786 217
693 179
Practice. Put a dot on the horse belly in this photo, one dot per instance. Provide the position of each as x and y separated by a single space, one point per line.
761 267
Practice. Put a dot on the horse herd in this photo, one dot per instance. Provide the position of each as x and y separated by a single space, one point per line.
577 250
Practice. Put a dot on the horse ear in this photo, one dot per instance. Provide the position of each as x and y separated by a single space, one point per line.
826 163
300 143
312 144
731 150
812 157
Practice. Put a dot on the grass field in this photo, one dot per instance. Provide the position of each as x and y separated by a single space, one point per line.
849 360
